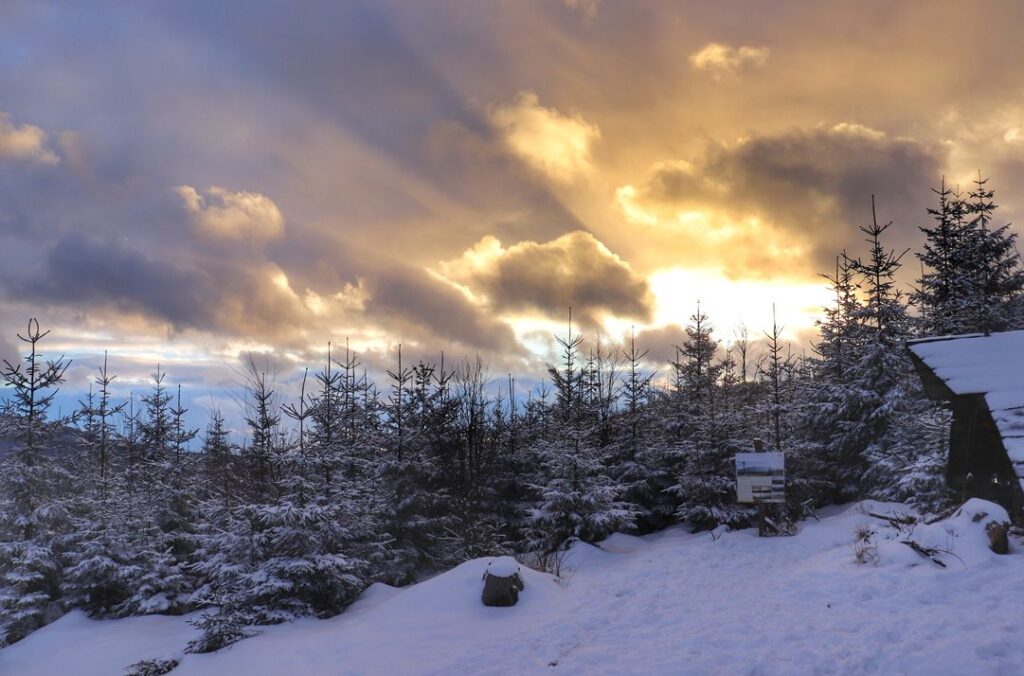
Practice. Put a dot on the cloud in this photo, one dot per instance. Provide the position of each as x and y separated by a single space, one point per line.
8 351
408 173
587 7
989 141
660 344
24 142
84 269
555 144
223 214
575 270
786 202
237 297
720 59
412 301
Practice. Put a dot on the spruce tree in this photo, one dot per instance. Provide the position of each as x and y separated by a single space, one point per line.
578 499
292 551
32 515
993 266
638 459
705 484
944 289
888 390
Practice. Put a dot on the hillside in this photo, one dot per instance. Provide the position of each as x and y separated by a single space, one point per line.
672 602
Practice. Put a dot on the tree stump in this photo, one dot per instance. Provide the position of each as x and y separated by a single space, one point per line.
502 583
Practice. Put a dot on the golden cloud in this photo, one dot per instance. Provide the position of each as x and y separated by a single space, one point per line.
780 204
549 141
223 214
587 7
575 270
721 59
24 142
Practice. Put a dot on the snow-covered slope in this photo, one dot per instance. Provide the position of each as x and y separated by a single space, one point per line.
669 603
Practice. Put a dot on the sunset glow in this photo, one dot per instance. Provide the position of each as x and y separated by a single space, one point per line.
184 180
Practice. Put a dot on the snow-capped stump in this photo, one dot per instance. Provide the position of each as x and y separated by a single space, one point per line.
975 530
993 518
502 582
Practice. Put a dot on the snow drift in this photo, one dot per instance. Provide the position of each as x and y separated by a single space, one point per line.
668 603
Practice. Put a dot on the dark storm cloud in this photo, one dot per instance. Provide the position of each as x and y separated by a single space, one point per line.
660 344
810 185
575 270
82 270
235 297
834 171
414 301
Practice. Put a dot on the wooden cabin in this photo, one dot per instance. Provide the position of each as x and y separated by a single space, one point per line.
981 377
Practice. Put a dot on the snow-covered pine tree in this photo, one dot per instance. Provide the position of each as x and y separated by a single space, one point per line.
993 265
511 491
263 420
638 462
217 473
789 398
445 463
293 551
406 471
972 278
831 422
33 520
890 395
578 499
156 426
774 371
361 474
944 291
705 484
161 512
462 436
808 464
104 430
920 478
100 562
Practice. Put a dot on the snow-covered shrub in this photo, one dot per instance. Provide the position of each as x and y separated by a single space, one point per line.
865 550
220 628
156 667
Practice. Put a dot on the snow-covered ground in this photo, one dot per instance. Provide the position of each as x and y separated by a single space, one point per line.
671 603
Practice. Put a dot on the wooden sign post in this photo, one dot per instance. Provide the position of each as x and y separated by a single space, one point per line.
761 480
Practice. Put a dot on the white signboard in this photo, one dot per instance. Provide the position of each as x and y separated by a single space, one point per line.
760 477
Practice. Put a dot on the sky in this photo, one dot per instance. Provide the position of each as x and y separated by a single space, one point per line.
188 182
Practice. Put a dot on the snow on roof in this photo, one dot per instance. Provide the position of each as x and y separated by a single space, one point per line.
991 365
